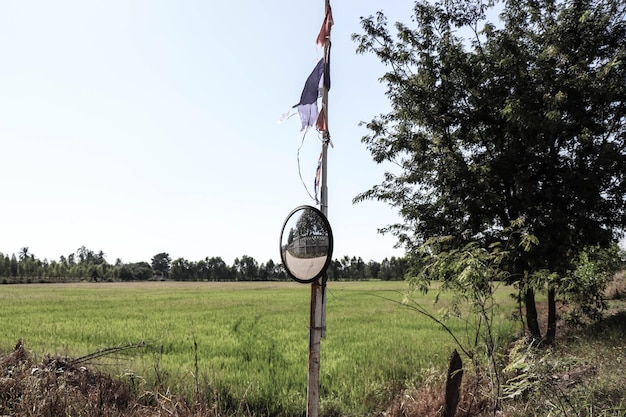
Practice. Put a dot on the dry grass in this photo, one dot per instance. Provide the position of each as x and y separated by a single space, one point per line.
56 386
428 400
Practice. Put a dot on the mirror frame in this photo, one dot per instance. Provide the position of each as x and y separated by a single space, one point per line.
322 272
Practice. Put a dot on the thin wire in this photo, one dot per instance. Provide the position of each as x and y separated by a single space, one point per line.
299 170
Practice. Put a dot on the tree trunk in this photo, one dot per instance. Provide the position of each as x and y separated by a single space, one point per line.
532 320
453 385
551 331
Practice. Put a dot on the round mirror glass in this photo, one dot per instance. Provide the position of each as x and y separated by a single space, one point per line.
306 244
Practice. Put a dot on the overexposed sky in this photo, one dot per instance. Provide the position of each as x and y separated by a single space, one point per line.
140 127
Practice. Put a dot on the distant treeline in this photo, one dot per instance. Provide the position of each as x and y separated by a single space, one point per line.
88 265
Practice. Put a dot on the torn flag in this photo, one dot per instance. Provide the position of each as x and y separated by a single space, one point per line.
327 69
307 107
326 25
321 124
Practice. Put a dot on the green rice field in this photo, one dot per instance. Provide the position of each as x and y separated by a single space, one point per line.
243 341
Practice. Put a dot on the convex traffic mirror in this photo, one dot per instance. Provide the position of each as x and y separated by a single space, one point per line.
306 244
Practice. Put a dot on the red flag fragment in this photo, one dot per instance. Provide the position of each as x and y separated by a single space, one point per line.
326 25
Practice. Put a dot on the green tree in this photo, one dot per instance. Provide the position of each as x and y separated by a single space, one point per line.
100 258
497 123
272 271
4 265
138 271
182 270
373 269
393 269
63 268
25 264
334 270
344 269
202 271
13 266
161 263
247 268
263 271
219 271
357 268
53 270
23 254
85 255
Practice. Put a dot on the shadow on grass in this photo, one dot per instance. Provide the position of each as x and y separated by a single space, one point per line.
614 324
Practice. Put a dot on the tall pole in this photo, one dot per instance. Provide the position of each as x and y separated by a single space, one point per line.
318 296
325 143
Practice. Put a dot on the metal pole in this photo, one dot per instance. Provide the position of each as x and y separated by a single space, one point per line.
318 296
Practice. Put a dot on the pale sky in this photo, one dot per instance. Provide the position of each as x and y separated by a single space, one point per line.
140 127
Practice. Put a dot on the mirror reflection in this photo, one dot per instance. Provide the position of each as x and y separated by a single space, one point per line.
306 244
